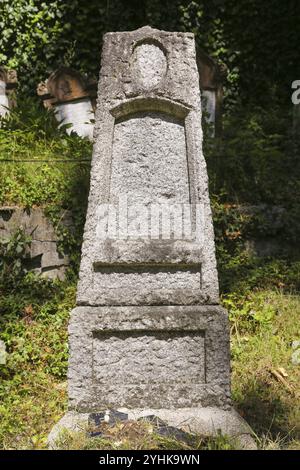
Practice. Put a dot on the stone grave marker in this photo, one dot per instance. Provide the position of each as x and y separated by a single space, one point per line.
212 76
8 85
69 94
148 336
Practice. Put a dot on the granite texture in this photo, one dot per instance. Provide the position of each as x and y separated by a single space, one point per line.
148 147
147 332
152 356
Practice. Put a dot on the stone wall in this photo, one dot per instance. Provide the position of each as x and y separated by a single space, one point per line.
42 255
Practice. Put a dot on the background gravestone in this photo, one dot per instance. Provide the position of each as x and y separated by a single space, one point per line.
147 335
71 96
212 76
8 85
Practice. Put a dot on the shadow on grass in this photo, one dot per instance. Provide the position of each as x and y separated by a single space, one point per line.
242 275
268 412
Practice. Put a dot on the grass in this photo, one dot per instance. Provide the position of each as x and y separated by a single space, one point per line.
260 295
265 383
33 325
134 435
33 390
31 152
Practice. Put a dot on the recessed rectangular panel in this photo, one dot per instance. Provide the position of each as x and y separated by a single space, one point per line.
149 161
149 284
148 357
148 281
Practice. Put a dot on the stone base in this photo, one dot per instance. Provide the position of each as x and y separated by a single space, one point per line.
207 421
149 357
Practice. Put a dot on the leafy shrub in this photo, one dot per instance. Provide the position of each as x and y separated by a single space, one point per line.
55 174
256 158
12 251
38 36
33 325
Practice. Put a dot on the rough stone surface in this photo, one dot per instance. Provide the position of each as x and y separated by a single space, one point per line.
159 148
147 332
148 145
207 421
149 64
42 255
152 356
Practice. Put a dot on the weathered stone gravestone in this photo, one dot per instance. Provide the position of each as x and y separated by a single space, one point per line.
4 106
212 76
8 85
147 335
67 92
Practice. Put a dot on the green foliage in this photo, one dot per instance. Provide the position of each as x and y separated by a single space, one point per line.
137 435
12 251
55 174
36 37
256 158
243 272
248 313
254 175
33 328
33 317
255 161
265 382
31 118
240 269
244 36
34 313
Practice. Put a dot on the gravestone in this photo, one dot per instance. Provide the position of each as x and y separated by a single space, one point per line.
148 336
4 106
67 92
8 85
212 76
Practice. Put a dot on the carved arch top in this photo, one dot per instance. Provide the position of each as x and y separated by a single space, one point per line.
162 105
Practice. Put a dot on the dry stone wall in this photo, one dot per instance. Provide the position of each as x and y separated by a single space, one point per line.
42 255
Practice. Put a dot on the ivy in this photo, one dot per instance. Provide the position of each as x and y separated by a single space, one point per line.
257 42
12 252
43 166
